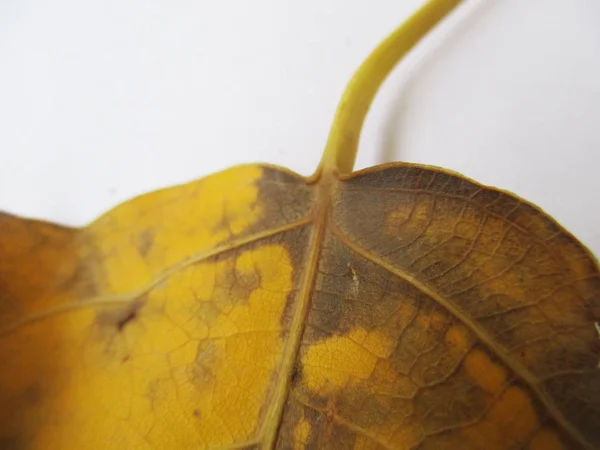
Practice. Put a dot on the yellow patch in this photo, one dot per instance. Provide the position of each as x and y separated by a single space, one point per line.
509 423
514 413
141 238
407 436
484 373
405 314
385 375
466 230
301 434
365 443
456 339
330 365
379 344
434 321
407 220
546 439
395 220
172 378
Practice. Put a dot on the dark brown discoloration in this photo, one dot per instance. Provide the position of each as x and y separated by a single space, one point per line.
285 196
12 443
406 316
337 308
296 374
296 243
32 394
119 318
510 269
444 399
124 320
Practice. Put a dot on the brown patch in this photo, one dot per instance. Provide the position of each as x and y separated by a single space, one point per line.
511 271
285 195
13 443
32 395
338 436
296 243
196 413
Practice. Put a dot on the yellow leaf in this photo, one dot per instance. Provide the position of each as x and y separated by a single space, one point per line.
398 307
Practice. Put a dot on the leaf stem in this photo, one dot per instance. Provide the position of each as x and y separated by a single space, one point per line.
342 144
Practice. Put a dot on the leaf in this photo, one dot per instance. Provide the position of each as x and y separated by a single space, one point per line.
401 306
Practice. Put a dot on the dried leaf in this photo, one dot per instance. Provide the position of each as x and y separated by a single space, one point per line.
400 307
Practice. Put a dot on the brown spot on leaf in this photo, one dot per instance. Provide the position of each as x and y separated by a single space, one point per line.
119 318
126 319
296 374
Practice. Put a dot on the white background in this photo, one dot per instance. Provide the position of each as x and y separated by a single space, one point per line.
101 101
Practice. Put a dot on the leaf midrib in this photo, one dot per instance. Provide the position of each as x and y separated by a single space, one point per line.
270 431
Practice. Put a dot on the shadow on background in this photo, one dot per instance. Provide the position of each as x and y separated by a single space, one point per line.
453 32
